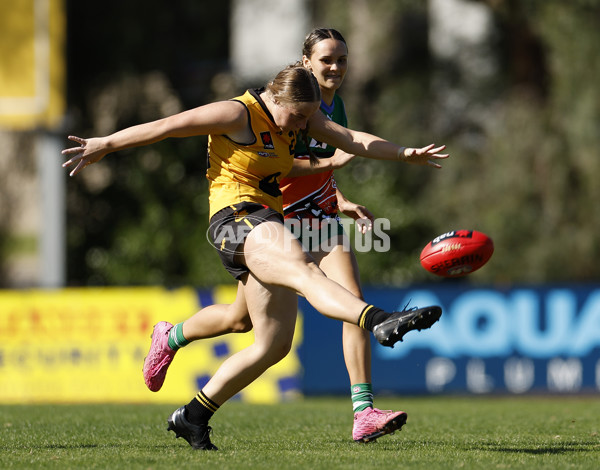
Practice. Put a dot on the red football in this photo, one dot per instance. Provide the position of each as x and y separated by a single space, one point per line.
457 253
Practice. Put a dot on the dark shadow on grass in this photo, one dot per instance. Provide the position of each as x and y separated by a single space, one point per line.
553 449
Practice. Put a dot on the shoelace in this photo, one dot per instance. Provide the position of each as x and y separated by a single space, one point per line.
386 412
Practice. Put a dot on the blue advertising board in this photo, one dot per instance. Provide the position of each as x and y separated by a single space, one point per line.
518 339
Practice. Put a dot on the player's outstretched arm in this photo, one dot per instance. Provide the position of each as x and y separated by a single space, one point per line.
371 146
224 117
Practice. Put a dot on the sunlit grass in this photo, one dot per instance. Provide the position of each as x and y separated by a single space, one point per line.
442 432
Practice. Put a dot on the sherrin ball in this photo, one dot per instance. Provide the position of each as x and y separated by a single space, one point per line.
457 253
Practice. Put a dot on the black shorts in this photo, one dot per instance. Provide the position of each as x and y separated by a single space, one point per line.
230 226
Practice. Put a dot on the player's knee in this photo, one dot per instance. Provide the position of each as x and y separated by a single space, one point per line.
306 273
276 351
241 325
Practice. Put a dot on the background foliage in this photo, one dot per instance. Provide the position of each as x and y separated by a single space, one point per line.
524 140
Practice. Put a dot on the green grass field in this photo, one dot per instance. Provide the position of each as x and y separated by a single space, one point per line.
442 432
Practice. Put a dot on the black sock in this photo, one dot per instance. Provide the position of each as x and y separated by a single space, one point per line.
371 316
200 409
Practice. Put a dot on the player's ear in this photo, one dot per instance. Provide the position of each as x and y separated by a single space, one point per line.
306 63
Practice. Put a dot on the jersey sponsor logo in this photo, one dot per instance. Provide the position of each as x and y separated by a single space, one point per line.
267 140
267 154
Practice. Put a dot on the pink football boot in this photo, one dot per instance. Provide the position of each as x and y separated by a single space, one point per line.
159 357
372 423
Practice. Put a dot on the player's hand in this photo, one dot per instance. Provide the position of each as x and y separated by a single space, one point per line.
424 156
364 218
89 151
340 159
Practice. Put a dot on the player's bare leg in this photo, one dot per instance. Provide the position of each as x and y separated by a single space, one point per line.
219 319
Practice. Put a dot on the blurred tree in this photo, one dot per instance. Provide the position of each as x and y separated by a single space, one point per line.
528 184
141 216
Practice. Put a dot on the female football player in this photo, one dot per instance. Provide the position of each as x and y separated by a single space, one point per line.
310 195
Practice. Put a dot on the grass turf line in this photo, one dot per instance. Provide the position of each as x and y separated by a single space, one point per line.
442 432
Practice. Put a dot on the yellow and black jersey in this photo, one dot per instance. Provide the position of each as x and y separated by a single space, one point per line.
250 172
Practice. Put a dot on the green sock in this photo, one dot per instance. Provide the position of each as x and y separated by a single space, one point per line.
362 397
176 338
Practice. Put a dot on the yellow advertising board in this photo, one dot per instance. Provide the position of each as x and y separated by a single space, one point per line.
88 345
32 63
